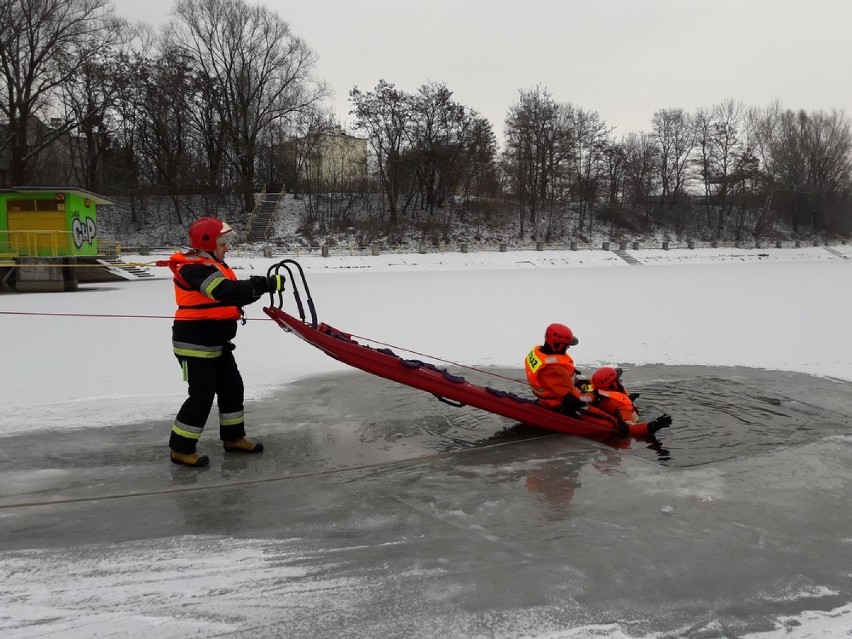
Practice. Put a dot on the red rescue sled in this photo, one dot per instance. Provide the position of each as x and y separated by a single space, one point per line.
447 387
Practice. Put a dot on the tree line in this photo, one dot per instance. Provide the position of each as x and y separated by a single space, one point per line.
223 100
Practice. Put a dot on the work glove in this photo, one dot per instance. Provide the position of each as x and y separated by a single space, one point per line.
633 396
571 405
663 421
275 283
271 284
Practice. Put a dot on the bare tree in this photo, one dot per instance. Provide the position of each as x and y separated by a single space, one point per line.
674 133
163 124
43 43
590 134
728 134
384 115
640 169
614 160
89 97
813 159
535 139
763 131
260 71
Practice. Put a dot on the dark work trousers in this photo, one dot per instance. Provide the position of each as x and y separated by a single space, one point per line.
207 377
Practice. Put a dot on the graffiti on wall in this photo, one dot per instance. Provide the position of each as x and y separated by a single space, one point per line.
84 230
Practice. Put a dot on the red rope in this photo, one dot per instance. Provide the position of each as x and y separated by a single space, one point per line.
114 316
268 319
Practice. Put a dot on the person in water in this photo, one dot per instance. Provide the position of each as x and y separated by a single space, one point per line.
612 398
554 380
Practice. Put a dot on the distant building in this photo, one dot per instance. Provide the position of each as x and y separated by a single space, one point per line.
51 165
332 162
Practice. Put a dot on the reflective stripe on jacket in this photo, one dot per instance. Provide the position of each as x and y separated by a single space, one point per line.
537 363
200 304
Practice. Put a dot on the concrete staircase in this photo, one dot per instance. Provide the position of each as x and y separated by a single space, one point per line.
836 252
624 255
262 217
124 270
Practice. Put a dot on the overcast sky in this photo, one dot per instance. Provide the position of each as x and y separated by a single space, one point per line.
622 58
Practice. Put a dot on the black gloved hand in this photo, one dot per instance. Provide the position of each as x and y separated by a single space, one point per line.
571 405
259 285
275 283
663 421
271 284
633 396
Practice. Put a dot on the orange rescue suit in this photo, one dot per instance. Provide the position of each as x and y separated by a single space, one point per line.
551 376
618 405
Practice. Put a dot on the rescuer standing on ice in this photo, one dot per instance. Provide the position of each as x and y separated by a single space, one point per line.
209 302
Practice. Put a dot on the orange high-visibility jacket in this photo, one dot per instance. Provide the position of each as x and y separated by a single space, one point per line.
550 376
200 304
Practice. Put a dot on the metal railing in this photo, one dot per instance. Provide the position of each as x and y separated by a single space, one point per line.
35 244
326 250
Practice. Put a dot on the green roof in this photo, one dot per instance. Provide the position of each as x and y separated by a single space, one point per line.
94 197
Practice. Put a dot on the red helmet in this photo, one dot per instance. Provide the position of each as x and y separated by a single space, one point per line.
204 232
559 337
607 378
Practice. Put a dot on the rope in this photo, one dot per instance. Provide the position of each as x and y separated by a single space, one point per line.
268 319
268 480
114 316
441 359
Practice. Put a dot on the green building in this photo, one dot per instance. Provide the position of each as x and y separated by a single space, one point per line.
48 222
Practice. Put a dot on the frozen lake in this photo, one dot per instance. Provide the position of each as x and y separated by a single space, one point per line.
379 511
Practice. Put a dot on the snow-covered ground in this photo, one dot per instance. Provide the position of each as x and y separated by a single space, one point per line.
102 355
107 358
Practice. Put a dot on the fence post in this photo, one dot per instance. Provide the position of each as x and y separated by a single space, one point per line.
324 250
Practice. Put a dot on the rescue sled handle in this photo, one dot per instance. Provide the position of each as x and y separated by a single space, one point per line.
284 265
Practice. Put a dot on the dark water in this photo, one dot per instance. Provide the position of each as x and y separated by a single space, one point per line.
720 413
